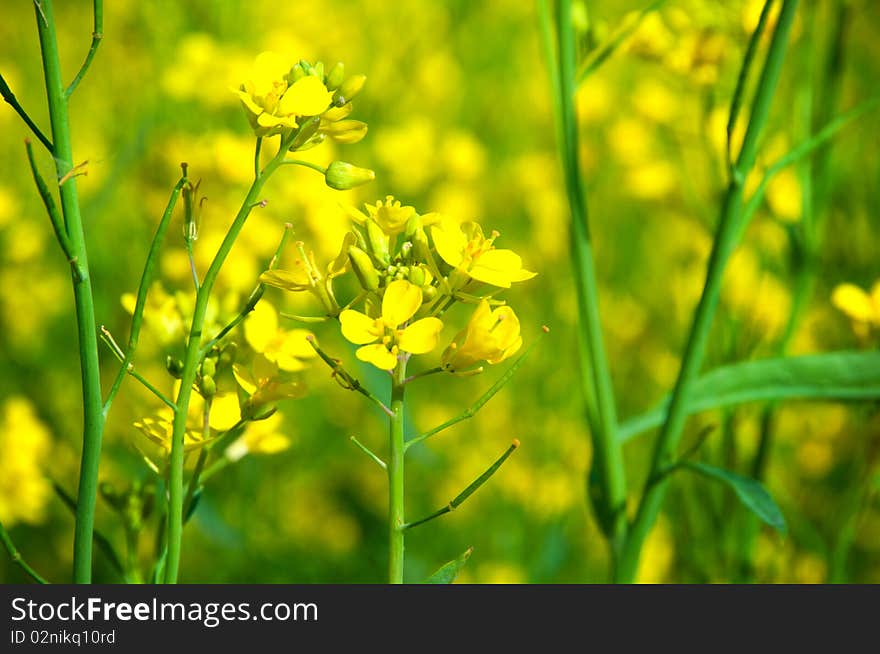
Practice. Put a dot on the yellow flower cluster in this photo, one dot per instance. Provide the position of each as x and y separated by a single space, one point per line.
412 268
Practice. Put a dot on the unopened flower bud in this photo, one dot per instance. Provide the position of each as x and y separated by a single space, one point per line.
227 356
209 367
174 366
417 276
349 89
336 76
343 176
207 386
346 131
378 241
363 268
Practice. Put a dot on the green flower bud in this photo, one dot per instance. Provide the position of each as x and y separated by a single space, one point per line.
343 176
174 366
207 386
209 367
227 356
417 276
318 70
349 89
413 226
336 76
363 268
429 293
297 72
378 241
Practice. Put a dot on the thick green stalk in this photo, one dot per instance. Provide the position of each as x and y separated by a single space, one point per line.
724 244
190 368
596 379
93 418
395 475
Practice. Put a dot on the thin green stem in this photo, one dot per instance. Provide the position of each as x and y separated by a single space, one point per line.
93 416
396 475
137 316
459 499
253 298
366 450
345 379
257 150
97 35
12 101
16 557
108 339
54 217
723 246
305 164
471 411
190 369
200 462
596 377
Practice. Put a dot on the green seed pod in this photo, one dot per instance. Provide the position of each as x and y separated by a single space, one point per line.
378 242
207 386
336 76
174 366
363 267
349 89
343 176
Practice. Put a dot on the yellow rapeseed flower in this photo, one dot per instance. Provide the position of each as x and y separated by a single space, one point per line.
399 304
490 335
287 349
861 307
265 383
273 104
390 215
26 444
466 249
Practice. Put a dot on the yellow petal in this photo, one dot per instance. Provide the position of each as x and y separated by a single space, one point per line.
270 68
400 302
450 242
261 326
378 355
421 336
288 280
358 327
499 268
244 378
225 412
509 352
248 101
307 97
853 301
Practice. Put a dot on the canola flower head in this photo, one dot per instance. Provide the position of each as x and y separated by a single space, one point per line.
490 335
466 249
390 215
288 349
399 303
265 383
275 102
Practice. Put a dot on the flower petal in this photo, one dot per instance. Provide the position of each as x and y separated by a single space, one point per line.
307 97
449 241
358 328
225 411
421 336
378 355
400 302
499 268
270 68
853 301
261 326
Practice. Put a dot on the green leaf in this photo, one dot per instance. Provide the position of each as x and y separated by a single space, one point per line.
830 376
447 573
750 492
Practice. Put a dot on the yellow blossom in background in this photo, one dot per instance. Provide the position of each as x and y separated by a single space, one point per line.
861 307
260 437
784 196
265 383
26 445
399 304
490 335
287 349
466 249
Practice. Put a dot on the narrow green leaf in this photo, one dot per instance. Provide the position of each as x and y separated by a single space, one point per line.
830 376
750 492
447 573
